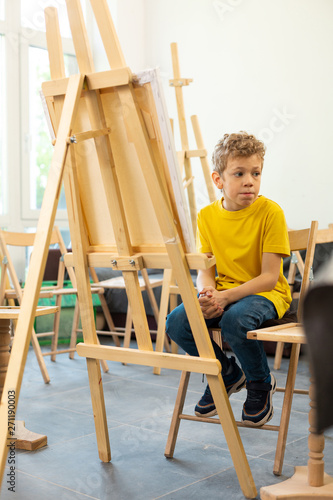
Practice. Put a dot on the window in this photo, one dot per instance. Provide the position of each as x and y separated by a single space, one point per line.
25 141
37 149
3 114
40 145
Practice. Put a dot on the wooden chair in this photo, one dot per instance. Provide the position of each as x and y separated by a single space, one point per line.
15 291
292 333
297 263
299 240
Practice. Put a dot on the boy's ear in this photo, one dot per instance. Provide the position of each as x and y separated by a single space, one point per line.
217 179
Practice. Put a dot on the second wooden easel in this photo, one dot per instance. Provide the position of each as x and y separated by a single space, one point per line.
185 155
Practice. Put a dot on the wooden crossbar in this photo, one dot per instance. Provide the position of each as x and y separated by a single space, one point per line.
180 82
196 153
149 358
91 134
149 261
94 81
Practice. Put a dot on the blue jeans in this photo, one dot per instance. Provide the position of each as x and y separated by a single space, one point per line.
237 319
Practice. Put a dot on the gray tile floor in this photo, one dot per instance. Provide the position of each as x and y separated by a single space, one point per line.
139 407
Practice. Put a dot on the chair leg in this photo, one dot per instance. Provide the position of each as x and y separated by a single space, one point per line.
286 409
151 295
39 356
75 326
73 342
178 410
128 327
56 323
278 355
104 365
109 319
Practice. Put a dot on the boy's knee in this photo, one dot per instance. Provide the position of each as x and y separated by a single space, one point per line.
177 325
175 318
168 322
234 326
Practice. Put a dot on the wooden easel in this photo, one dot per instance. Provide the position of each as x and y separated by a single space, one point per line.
113 154
185 155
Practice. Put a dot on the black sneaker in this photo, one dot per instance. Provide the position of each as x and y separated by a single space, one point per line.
258 408
233 383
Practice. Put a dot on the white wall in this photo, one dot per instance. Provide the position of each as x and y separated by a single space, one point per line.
129 18
264 66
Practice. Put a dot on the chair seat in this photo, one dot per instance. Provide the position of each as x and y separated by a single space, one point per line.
70 291
288 317
119 282
13 312
290 332
12 294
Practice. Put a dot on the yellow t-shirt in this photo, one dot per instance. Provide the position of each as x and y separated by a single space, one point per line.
238 239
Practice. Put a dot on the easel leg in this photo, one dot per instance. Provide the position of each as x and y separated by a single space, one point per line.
231 434
28 440
164 306
175 421
97 398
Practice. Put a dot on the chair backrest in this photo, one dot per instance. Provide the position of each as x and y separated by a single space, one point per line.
302 239
25 240
325 235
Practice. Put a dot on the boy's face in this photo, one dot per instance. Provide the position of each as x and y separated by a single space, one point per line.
240 181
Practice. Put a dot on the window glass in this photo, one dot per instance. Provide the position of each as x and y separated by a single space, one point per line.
32 15
3 114
41 148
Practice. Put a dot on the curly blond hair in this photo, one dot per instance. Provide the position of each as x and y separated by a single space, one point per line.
237 144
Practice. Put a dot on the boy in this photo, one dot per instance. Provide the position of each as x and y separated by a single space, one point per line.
248 236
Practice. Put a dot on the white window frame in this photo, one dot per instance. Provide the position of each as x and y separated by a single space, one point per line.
3 107
17 40
9 28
